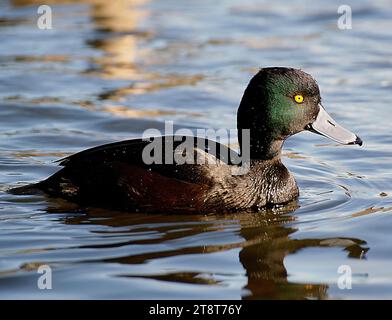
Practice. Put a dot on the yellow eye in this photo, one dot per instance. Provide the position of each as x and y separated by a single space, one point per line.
299 98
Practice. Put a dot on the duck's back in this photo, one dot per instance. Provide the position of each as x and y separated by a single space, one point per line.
119 176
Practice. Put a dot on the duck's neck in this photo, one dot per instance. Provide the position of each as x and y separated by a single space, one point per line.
260 147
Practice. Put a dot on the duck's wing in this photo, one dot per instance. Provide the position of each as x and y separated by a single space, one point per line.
127 150
116 175
131 151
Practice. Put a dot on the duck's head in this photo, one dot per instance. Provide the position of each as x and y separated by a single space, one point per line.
280 102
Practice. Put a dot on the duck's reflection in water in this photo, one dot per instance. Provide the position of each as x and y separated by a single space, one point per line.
264 240
264 260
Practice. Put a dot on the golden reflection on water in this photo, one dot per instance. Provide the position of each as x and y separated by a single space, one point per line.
371 210
120 19
154 82
117 31
123 111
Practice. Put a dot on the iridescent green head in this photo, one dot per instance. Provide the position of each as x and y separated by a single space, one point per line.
280 102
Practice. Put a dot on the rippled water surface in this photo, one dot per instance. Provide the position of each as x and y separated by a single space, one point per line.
108 70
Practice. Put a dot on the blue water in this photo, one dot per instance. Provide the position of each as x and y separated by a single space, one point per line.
108 70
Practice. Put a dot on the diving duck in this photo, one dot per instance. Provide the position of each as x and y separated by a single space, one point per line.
277 103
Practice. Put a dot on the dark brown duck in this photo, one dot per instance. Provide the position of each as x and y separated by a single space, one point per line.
278 103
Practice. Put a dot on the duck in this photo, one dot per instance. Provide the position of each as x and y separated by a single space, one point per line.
277 103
